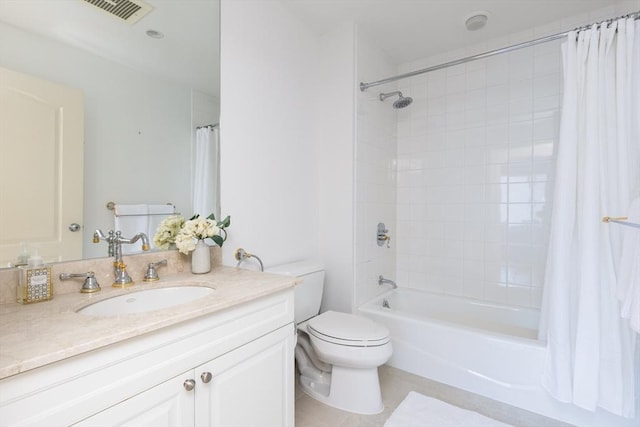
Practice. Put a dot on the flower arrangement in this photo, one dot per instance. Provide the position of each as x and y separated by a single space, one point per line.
167 231
185 234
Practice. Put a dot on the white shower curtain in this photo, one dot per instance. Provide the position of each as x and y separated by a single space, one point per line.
590 354
205 186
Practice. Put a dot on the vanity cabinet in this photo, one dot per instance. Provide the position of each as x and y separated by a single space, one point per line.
167 404
251 386
245 387
229 368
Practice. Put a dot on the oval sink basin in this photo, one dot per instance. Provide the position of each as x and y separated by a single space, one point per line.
143 301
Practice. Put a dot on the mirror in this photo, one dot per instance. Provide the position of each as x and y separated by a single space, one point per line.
147 86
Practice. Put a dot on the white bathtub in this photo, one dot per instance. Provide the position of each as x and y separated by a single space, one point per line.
485 348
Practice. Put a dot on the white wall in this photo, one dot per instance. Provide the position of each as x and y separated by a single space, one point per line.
137 127
287 130
334 153
268 172
205 110
375 173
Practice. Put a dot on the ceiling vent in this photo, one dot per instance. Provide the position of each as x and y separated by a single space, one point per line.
130 11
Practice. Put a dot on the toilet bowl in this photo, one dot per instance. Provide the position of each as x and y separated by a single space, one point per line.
354 348
337 354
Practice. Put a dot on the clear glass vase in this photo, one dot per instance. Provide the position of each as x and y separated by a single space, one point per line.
201 258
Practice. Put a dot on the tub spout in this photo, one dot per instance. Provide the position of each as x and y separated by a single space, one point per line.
382 281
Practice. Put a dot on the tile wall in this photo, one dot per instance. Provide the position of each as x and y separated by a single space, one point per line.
375 175
475 174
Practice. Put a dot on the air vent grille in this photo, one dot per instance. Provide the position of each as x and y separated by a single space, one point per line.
128 10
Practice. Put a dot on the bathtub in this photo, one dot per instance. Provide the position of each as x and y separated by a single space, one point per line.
488 349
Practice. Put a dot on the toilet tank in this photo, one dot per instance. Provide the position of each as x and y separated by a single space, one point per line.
308 294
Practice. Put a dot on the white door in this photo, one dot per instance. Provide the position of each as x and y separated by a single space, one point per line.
250 386
41 167
169 404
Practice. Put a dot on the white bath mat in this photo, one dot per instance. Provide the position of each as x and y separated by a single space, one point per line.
417 410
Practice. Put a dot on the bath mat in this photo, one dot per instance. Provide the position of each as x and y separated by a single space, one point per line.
417 410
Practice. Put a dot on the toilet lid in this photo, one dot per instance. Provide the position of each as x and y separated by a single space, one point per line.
347 329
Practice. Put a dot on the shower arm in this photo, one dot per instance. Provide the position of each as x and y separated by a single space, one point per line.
384 96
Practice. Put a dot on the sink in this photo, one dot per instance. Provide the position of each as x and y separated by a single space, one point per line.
144 301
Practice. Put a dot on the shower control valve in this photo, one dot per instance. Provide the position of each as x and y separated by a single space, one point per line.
382 235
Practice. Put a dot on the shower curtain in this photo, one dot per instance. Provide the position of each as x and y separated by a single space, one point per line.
205 186
590 347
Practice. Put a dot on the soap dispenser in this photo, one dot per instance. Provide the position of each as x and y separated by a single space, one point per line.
35 281
23 256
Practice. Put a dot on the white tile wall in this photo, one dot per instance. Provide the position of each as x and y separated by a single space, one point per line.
475 175
375 175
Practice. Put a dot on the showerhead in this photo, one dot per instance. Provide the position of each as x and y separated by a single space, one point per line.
401 102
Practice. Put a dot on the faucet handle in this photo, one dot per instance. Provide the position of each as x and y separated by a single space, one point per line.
152 275
90 284
382 235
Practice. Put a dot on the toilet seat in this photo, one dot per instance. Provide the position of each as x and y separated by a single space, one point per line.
347 330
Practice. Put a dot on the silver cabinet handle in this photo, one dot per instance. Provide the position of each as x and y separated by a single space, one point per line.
74 226
206 377
189 385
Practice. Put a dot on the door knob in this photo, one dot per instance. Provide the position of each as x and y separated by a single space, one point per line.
189 385
74 227
206 377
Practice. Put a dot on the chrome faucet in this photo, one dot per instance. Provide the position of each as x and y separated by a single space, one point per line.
382 281
152 274
115 241
90 284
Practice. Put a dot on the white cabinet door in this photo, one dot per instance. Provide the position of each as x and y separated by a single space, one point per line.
168 404
250 386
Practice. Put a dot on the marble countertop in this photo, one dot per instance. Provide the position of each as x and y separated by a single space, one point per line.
38 334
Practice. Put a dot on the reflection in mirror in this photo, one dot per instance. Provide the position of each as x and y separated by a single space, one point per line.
146 85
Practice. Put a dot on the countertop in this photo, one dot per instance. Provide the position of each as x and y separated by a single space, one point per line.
38 334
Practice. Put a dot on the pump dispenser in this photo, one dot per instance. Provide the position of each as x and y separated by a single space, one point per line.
35 281
23 256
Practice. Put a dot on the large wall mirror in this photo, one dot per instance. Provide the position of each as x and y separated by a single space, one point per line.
148 81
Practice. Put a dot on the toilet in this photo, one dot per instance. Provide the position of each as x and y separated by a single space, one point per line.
337 354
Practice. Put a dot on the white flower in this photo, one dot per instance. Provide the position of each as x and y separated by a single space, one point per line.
185 243
199 228
167 231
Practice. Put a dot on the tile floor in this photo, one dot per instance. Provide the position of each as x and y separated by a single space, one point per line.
396 384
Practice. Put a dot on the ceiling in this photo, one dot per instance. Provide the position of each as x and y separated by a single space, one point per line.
189 52
411 29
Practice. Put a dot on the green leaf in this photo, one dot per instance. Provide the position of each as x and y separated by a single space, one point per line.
212 217
225 222
218 240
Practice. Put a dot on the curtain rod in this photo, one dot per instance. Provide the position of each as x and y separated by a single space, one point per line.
364 86
207 126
